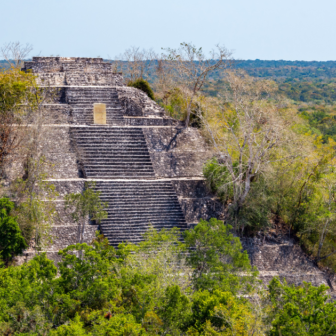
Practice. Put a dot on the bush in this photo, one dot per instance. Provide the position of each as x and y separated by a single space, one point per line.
12 242
142 85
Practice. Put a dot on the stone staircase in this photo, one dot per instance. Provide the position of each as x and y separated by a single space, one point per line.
81 99
113 152
135 205
118 159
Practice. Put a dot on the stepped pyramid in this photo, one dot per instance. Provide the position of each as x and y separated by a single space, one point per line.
146 165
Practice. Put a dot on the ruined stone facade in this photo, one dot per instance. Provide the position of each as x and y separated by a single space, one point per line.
146 165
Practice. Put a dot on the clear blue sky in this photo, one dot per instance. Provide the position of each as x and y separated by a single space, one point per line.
264 29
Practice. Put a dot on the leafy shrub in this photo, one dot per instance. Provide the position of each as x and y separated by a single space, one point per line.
12 242
304 310
142 85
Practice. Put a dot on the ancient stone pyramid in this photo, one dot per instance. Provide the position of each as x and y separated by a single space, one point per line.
146 165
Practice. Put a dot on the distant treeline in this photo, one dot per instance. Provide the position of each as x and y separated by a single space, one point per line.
288 69
280 69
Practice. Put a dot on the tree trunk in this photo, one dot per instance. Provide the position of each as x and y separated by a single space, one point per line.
83 228
188 115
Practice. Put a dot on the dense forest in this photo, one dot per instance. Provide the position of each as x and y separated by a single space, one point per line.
271 127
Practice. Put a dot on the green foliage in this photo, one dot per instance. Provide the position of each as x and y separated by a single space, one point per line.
175 104
85 205
302 310
36 207
128 293
142 85
255 214
118 325
309 91
217 258
174 310
74 328
136 290
218 179
220 313
321 119
18 96
151 267
12 242
15 90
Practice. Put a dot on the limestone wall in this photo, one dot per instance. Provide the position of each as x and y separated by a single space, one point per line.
176 152
61 152
197 201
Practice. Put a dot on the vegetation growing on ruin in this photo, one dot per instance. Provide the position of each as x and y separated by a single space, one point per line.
155 288
142 85
273 142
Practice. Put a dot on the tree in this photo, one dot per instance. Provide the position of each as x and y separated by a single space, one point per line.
217 258
135 63
222 313
35 196
18 96
303 310
191 68
247 129
85 205
144 86
118 325
150 268
74 328
12 242
15 53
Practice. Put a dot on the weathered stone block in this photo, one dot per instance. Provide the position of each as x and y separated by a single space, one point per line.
99 113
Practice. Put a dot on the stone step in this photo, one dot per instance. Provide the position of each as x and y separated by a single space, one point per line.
131 186
117 170
136 219
115 130
105 130
113 159
88 157
133 195
119 175
134 206
120 165
109 142
124 229
130 205
128 232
